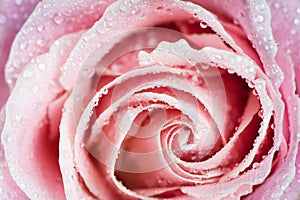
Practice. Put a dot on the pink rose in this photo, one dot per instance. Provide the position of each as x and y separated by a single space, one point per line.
150 99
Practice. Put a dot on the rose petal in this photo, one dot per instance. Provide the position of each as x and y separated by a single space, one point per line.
49 21
8 188
104 31
286 28
255 19
286 173
12 16
28 137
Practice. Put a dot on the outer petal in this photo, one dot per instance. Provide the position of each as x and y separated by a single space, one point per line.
12 16
30 134
254 16
50 20
286 29
8 188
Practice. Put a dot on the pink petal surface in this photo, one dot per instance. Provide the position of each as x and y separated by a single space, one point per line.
245 179
74 188
255 19
8 188
12 16
284 26
286 178
286 29
76 161
50 20
104 32
29 138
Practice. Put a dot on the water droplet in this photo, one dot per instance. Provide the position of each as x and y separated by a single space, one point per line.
236 21
23 45
251 69
260 113
9 139
160 181
230 71
203 24
58 18
18 2
272 126
101 30
296 21
2 19
9 81
236 59
23 186
276 5
89 72
254 91
40 42
293 32
251 84
298 10
1 190
42 66
88 37
96 103
35 89
259 18
105 122
15 16
40 27
259 7
260 28
104 91
123 7
27 73
150 109
255 165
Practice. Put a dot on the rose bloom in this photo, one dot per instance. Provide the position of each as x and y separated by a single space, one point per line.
140 99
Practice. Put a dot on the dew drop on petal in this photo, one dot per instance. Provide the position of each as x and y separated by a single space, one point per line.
293 32
276 5
2 19
203 24
58 18
9 139
23 45
230 71
255 165
254 92
259 18
296 21
27 73
272 126
42 66
40 42
259 7
260 113
18 2
105 91
40 27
